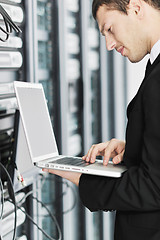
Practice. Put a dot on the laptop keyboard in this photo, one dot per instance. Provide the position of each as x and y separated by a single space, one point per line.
72 161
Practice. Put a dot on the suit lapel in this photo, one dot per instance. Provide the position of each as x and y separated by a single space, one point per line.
149 69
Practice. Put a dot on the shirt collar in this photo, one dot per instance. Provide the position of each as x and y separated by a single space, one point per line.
155 51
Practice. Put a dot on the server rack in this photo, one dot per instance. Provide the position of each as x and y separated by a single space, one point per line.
11 68
14 66
92 101
93 80
71 92
66 54
44 21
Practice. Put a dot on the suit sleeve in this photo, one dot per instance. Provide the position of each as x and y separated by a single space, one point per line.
139 187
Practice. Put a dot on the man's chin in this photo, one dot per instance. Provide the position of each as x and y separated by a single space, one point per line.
135 59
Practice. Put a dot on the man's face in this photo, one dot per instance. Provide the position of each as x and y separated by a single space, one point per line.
122 32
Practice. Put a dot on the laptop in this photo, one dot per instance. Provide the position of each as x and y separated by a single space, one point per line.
40 137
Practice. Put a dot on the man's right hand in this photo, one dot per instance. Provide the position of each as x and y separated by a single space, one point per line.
110 149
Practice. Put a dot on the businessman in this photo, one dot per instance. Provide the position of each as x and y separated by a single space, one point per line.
132 28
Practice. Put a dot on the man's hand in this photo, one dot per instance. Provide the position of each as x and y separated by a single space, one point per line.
71 176
111 149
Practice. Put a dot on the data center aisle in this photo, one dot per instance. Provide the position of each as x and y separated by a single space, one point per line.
61 48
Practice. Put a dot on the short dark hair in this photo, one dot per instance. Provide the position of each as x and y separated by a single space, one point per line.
120 5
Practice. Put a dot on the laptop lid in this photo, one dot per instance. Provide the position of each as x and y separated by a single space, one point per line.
36 120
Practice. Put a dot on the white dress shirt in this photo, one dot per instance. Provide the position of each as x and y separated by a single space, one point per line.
155 51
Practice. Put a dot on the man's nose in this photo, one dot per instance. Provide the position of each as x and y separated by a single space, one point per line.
110 43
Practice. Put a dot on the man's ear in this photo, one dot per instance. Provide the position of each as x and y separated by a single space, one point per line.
136 6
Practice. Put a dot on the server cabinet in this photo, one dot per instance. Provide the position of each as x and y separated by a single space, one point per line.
71 93
14 59
92 101
12 67
80 62
70 76
44 27
65 53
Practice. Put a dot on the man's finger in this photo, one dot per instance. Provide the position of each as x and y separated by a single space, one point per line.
117 159
109 151
97 151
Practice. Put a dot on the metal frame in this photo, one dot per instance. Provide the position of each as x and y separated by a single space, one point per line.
119 96
29 43
86 78
69 219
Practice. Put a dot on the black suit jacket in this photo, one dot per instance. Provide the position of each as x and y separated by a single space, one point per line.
135 195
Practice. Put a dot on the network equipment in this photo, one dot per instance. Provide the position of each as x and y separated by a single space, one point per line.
11 61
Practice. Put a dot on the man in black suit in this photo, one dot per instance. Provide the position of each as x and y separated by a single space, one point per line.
131 27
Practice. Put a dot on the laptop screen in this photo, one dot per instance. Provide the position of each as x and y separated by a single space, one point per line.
36 120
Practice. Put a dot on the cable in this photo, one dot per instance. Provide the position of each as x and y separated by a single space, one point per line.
9 20
12 196
45 234
19 204
9 24
51 215
25 197
65 192
28 194
2 199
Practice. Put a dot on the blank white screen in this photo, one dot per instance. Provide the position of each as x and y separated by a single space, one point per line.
36 121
